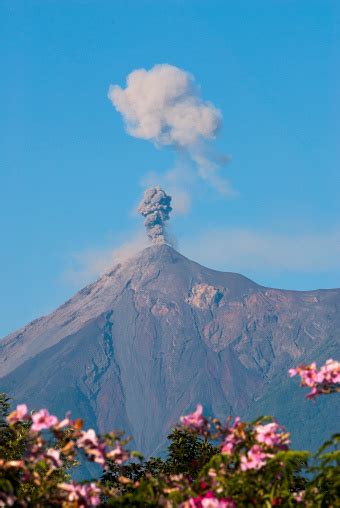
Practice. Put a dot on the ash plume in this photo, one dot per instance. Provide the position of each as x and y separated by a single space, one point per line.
155 207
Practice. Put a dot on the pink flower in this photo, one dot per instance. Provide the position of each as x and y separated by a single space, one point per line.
72 489
6 499
213 502
14 463
87 438
298 496
330 372
271 435
90 494
118 454
92 447
255 458
84 495
232 438
43 420
229 443
326 380
309 375
63 423
19 414
54 457
313 393
195 420
210 501
228 446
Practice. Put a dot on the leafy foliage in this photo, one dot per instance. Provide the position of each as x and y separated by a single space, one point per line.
210 464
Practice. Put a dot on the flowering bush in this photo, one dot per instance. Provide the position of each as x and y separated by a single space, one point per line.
323 381
210 464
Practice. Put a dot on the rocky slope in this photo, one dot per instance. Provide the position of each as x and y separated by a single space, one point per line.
159 333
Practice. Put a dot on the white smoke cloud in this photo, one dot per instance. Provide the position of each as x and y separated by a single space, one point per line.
163 105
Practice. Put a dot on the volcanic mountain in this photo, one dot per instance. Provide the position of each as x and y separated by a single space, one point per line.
159 333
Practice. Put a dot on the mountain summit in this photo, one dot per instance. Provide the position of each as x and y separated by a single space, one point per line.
159 333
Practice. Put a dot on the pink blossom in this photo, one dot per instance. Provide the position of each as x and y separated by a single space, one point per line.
326 380
213 502
54 457
228 446
118 454
330 372
43 420
255 458
84 495
72 489
298 496
6 499
229 443
313 393
271 435
87 438
15 463
92 447
195 420
63 423
232 438
209 500
309 375
19 414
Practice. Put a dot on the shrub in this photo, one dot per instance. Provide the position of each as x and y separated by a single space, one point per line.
210 464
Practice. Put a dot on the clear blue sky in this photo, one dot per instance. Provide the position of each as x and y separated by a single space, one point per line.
70 175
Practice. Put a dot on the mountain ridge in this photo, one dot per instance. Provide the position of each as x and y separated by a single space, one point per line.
159 333
98 285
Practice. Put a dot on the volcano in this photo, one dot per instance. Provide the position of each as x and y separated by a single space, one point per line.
159 333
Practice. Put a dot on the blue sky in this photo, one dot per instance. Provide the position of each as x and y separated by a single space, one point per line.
70 175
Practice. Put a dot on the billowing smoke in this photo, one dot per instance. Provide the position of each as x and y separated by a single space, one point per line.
155 207
163 105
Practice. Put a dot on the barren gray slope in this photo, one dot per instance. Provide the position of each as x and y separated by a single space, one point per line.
160 333
160 263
